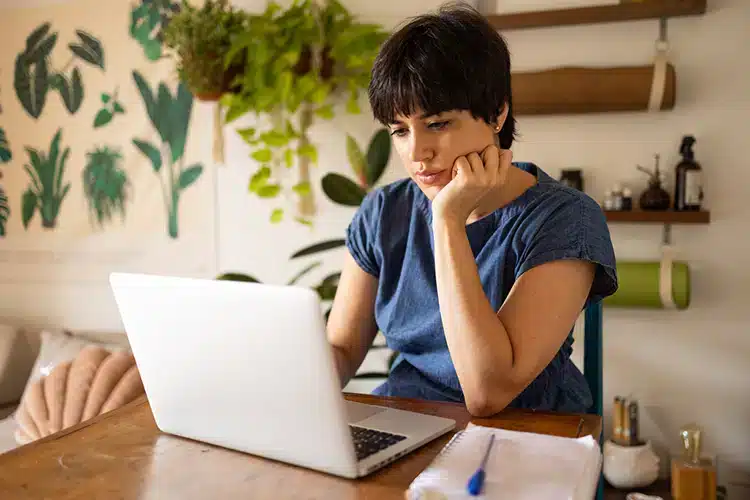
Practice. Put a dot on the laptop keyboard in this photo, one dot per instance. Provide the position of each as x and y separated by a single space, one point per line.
368 441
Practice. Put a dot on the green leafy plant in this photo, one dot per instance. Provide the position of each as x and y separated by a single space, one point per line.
47 190
200 37
297 63
110 107
148 20
4 209
34 75
170 116
368 169
5 153
105 185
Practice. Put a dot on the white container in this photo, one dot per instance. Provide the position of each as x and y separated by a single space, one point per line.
629 466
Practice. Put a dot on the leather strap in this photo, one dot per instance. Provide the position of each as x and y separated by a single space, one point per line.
665 278
658 82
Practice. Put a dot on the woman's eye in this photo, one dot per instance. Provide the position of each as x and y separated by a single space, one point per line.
398 132
438 125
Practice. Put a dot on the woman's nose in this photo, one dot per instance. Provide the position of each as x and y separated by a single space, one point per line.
419 148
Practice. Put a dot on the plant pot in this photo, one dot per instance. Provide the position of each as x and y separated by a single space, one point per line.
208 96
626 467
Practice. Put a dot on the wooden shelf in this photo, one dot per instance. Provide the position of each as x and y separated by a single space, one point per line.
628 10
659 217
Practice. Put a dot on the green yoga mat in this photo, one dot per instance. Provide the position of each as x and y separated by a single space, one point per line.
639 286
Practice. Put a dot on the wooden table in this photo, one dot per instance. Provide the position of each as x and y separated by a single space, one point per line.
122 455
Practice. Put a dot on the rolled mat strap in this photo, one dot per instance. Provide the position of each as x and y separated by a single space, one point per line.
665 279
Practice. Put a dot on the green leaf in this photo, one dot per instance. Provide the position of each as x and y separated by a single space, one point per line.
102 118
319 247
105 98
28 206
274 138
237 277
31 84
148 98
43 49
72 91
262 155
36 36
303 272
259 178
327 288
89 50
189 175
247 134
289 158
342 190
5 153
277 215
302 188
151 152
356 158
118 108
178 120
378 154
309 151
302 220
325 112
269 191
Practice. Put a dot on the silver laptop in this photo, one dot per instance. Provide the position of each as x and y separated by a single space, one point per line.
247 366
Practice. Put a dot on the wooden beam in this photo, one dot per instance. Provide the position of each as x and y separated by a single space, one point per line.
628 10
658 217
573 90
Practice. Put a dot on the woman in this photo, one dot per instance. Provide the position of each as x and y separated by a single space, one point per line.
474 268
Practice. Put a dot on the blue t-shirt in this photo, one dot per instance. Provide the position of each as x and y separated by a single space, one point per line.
390 237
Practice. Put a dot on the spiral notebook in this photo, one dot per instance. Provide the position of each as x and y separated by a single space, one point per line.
521 466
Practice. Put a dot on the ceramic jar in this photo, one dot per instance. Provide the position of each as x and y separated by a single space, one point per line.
630 466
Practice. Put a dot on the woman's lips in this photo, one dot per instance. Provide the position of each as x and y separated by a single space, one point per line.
431 178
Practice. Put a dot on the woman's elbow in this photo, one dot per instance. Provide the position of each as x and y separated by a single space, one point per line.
485 403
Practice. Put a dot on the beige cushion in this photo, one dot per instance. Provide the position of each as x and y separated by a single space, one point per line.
16 358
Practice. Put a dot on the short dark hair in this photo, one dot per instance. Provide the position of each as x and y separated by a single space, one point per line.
452 59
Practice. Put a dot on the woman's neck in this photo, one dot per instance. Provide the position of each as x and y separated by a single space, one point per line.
517 182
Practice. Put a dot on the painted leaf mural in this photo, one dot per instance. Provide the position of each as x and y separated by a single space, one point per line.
5 154
170 116
4 209
110 108
88 49
46 190
147 22
31 76
106 185
35 76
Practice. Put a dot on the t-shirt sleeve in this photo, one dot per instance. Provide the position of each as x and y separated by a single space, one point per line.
575 229
362 233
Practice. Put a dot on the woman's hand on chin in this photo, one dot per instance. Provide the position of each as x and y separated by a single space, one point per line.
473 177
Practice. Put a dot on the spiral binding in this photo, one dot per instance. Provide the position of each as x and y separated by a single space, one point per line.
444 452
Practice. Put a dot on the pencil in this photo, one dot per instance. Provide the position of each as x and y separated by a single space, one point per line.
580 428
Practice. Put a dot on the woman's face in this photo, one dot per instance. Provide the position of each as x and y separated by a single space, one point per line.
428 145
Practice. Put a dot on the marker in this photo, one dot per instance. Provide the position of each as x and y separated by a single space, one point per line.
477 480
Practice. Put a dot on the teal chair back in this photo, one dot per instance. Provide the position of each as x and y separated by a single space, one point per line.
593 367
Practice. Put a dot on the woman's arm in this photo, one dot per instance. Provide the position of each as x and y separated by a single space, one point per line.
351 324
498 353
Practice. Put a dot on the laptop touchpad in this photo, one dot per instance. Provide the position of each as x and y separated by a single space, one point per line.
356 412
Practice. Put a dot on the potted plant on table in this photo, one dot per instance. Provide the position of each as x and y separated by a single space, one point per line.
297 63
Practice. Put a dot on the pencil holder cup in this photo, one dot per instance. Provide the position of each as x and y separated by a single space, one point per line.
629 466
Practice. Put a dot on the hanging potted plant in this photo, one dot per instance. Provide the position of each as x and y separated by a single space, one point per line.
297 64
199 38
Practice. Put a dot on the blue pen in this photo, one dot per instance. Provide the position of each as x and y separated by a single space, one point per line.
477 480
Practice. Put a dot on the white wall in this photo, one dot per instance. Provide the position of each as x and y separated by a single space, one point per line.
682 366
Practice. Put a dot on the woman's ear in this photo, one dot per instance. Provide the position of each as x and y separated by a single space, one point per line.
501 117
